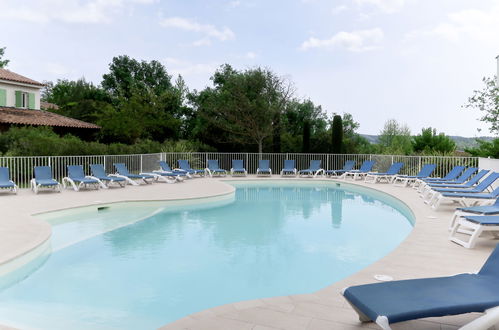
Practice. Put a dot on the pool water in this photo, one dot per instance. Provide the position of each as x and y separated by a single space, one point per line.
109 271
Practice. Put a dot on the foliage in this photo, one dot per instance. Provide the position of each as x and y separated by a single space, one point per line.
128 76
429 142
337 135
42 141
486 100
3 63
185 146
306 137
243 104
395 138
486 149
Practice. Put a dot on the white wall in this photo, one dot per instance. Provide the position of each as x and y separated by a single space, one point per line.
489 164
11 93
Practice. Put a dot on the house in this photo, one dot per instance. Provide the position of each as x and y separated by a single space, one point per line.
20 106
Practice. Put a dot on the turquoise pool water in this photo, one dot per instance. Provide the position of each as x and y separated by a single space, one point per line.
108 270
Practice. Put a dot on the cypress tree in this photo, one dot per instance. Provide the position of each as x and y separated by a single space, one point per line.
337 135
306 137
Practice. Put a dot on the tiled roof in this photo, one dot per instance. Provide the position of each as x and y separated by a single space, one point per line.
40 118
12 76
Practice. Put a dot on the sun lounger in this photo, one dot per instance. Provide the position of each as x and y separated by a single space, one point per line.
264 168
5 181
77 179
313 170
348 166
167 170
214 169
449 178
469 199
364 169
185 166
289 168
473 226
474 210
465 176
43 179
455 195
237 168
433 189
99 173
405 180
388 176
122 172
397 301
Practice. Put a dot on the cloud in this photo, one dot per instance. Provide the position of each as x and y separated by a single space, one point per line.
338 9
67 11
355 41
251 55
480 25
186 68
387 6
208 30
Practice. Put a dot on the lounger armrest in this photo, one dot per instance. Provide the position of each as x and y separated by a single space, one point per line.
490 319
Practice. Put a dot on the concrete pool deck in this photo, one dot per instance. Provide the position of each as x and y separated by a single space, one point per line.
425 253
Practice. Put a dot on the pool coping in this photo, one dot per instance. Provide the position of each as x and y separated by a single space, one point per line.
426 245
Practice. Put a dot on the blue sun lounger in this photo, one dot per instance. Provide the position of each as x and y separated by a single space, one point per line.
470 199
472 181
289 168
5 181
264 168
473 226
431 190
474 210
465 176
448 178
43 179
167 170
122 171
364 169
185 166
397 301
451 177
313 170
348 166
456 195
238 168
77 179
388 176
425 173
99 173
213 168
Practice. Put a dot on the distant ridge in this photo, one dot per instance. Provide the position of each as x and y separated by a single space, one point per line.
461 141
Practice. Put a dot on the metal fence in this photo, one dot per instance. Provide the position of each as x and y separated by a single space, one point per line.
21 168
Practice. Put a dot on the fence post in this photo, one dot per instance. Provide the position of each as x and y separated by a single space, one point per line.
247 164
141 163
419 163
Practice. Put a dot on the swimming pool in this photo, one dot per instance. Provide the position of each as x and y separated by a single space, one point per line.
142 265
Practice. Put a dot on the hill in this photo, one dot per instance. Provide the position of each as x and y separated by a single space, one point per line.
461 141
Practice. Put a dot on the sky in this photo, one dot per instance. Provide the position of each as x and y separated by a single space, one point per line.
416 61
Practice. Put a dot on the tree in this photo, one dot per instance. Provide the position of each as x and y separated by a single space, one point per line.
485 149
306 137
486 100
337 135
3 63
395 138
244 104
429 142
128 76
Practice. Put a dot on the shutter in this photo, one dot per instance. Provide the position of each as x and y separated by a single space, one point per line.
3 98
19 99
31 100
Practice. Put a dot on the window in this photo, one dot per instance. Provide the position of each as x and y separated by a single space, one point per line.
24 100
